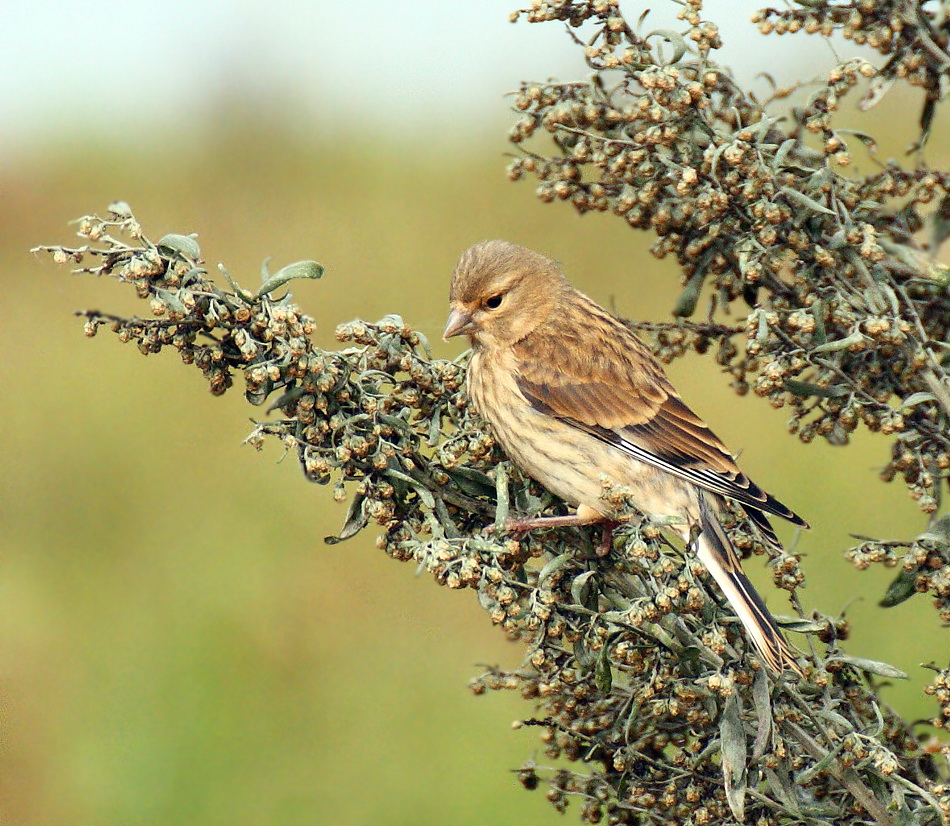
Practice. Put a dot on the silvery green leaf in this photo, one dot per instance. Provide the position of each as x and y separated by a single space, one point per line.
806 389
172 300
833 717
782 153
879 87
584 590
239 291
802 626
783 787
856 337
939 531
675 39
764 125
864 137
763 710
424 341
471 481
354 522
292 272
120 209
837 241
553 565
872 667
686 303
396 422
435 427
926 121
902 588
424 494
501 495
804 776
918 398
802 199
733 745
603 676
192 275
819 336
583 655
185 245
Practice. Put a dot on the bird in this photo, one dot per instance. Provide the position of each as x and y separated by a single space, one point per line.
574 398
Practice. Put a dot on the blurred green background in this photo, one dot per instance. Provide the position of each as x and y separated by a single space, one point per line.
177 644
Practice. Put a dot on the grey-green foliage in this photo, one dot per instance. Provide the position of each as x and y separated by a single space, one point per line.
634 669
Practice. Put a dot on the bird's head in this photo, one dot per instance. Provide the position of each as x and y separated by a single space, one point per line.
501 292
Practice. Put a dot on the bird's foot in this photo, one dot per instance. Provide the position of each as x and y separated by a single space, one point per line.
607 538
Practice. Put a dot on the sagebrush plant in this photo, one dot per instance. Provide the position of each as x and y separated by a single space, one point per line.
635 668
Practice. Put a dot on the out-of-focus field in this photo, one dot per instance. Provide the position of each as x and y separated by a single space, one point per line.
177 644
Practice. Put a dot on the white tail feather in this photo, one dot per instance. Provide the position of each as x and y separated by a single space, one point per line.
716 552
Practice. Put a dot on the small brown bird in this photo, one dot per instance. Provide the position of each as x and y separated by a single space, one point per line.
573 395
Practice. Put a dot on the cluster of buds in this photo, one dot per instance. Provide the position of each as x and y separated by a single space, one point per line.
912 35
924 564
940 690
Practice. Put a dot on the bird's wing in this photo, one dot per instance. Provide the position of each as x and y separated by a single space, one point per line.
605 382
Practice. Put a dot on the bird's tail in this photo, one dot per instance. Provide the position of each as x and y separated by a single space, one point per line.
716 552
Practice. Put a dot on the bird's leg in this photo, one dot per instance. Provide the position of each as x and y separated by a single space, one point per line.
531 523
585 515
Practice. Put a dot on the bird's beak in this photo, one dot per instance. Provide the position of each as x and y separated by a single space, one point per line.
459 322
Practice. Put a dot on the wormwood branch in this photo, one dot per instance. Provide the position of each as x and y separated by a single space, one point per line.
632 667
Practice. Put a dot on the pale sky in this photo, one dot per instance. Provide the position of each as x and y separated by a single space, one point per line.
121 68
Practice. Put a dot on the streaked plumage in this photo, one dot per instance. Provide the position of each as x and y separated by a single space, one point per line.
571 393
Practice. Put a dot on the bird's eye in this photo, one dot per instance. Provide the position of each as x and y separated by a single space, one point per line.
494 302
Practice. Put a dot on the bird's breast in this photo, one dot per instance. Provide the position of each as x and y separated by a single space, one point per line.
568 461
